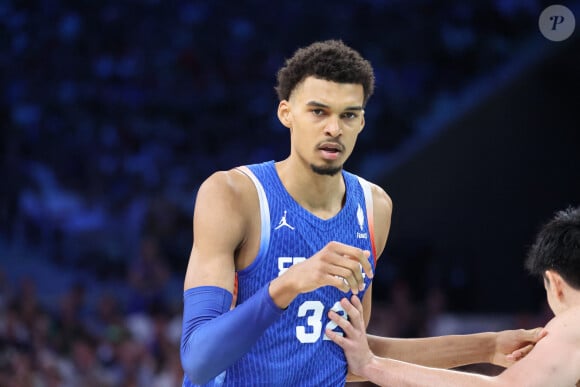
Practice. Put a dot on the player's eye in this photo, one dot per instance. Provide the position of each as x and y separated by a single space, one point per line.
350 115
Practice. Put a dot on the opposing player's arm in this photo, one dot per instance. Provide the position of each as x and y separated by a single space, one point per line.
456 350
554 361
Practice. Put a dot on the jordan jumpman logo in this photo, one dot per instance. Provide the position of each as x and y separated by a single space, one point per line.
283 222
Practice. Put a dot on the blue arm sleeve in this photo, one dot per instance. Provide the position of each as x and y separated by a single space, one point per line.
214 337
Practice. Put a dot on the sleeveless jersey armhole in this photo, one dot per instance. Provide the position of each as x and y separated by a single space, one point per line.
366 186
264 219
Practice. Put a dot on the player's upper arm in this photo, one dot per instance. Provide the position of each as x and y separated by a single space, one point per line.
382 211
219 227
554 361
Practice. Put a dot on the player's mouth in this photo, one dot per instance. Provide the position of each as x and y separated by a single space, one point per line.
331 150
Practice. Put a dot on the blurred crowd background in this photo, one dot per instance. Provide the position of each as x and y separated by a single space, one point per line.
113 112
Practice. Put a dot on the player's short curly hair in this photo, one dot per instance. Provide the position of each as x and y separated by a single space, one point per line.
557 247
331 60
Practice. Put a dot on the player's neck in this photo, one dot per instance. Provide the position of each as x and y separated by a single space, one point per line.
322 195
574 299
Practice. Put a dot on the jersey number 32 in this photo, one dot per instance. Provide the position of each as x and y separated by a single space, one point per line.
312 331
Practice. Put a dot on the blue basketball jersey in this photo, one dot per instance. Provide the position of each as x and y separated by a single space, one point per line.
295 351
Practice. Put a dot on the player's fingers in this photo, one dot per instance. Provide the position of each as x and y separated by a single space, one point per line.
362 258
354 266
355 312
354 280
520 353
341 321
340 283
356 254
357 304
537 334
366 265
335 337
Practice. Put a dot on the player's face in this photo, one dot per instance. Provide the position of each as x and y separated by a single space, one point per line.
325 119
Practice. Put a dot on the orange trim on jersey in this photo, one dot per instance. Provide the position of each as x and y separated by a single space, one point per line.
371 220
235 292
246 171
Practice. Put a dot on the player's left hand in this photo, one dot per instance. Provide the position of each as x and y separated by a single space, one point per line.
512 345
354 342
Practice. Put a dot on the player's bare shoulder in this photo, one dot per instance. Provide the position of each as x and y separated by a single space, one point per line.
382 200
227 186
566 324
564 337
228 195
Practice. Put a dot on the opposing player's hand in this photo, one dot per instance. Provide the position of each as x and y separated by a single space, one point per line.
512 345
354 342
337 264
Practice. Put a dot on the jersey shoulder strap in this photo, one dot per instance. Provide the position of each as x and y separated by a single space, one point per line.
366 186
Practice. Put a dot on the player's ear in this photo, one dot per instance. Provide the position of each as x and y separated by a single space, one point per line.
284 113
554 284
362 120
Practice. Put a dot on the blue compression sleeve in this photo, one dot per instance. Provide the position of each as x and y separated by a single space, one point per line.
213 337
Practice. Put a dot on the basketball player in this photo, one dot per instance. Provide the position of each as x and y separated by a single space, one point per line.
278 244
554 361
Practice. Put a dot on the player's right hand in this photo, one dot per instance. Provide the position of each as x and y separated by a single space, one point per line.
337 264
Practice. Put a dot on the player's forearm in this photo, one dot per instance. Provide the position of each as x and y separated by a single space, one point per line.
283 291
213 337
441 352
388 372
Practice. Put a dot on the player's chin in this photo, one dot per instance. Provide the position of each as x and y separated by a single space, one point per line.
327 169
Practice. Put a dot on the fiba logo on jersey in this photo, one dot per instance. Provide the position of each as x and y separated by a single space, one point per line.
360 217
